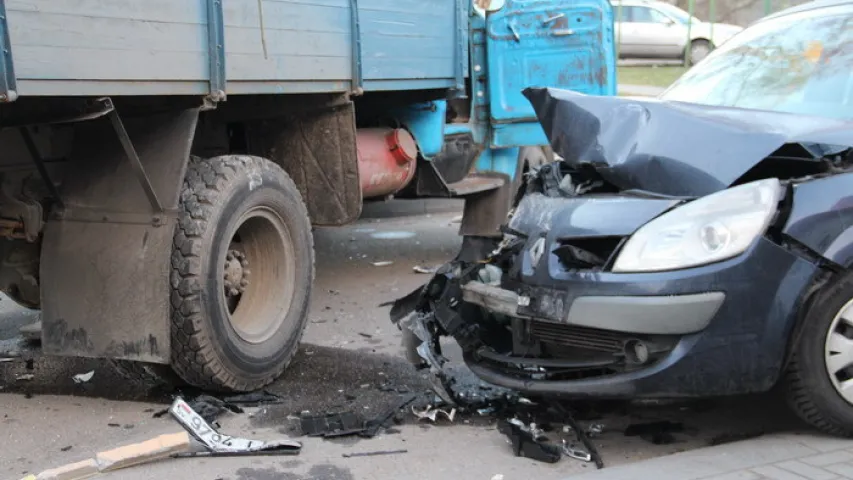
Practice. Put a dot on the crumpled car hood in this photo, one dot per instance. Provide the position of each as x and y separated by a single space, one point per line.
675 148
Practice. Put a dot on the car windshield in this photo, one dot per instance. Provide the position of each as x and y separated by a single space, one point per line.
798 63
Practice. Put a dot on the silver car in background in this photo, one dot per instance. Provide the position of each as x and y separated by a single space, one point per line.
653 29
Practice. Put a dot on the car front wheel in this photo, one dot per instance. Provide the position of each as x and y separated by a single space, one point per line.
819 377
699 49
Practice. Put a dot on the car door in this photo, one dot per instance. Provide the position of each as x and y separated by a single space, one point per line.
655 33
625 31
621 27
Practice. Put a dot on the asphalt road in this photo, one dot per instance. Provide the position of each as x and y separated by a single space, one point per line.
350 356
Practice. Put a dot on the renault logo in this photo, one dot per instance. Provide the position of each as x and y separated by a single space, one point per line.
536 252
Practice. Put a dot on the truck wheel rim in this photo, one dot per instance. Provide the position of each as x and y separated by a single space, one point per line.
838 352
259 275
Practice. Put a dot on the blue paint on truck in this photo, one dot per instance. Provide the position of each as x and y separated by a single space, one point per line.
551 43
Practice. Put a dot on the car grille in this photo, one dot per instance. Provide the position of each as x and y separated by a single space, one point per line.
578 337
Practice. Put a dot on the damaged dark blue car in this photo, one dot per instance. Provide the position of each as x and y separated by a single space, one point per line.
699 244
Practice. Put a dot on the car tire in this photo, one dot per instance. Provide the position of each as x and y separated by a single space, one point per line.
811 390
699 49
242 269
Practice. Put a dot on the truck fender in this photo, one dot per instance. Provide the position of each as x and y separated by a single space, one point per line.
106 256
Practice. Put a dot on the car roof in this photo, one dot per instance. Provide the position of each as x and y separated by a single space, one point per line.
818 4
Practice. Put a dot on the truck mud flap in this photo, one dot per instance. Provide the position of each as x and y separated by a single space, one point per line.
106 256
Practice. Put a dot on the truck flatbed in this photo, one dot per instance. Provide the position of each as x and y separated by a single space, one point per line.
191 47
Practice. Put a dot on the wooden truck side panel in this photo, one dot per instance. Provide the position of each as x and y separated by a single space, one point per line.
161 47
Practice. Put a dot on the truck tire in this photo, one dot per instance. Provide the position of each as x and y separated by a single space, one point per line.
819 361
242 269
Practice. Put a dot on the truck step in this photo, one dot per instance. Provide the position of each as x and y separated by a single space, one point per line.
473 184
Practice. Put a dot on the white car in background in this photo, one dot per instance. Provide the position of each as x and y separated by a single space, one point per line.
653 29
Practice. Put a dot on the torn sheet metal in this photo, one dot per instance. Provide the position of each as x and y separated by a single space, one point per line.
674 148
431 413
219 443
573 452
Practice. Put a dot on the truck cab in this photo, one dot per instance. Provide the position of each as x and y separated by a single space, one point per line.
489 132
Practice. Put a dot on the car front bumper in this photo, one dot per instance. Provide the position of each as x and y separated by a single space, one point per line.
728 325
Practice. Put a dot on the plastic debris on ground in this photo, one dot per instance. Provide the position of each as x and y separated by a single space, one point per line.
218 444
341 424
373 454
254 399
382 263
424 269
525 444
332 425
83 377
431 413
210 408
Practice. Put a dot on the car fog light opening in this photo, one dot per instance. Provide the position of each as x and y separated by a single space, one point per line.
707 230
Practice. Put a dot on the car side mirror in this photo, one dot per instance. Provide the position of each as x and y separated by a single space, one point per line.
668 21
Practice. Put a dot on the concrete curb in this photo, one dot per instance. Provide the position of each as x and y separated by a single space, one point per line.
157 448
737 460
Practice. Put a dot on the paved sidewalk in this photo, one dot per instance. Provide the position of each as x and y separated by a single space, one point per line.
776 457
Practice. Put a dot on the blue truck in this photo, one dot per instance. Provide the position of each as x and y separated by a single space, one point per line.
162 162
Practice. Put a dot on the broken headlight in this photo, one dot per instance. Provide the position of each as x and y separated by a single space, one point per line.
707 230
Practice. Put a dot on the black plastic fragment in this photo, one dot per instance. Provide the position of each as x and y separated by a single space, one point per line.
253 399
209 408
332 425
375 424
524 445
581 435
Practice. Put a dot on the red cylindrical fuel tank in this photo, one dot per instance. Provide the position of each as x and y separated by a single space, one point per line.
386 160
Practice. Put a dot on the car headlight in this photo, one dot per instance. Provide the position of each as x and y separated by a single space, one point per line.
707 230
